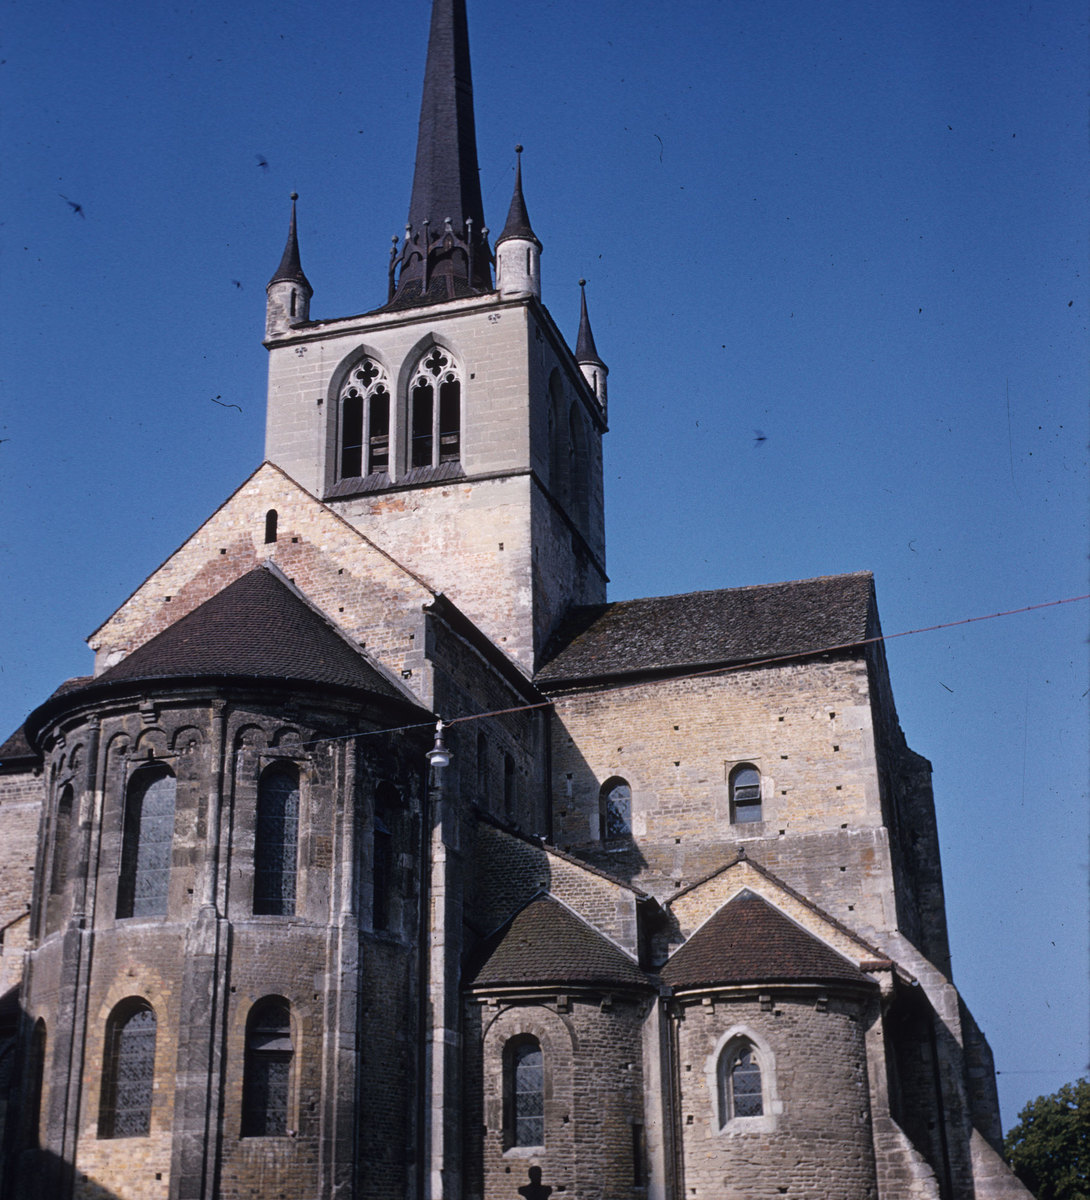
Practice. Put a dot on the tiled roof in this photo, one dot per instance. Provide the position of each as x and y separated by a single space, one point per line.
704 628
16 748
750 941
255 628
546 943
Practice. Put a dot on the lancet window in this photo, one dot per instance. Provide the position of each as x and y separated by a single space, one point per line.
435 411
365 421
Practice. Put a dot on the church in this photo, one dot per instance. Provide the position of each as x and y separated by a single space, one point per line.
383 857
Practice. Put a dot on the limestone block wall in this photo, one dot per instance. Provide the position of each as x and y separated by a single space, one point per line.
594 1096
813 1141
807 727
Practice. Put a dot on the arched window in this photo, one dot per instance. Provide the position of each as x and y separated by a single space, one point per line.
365 422
36 1084
745 794
739 1078
387 802
147 842
276 841
62 841
270 526
128 1071
615 809
266 1075
525 1092
435 411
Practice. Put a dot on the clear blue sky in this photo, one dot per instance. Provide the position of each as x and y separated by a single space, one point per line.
857 227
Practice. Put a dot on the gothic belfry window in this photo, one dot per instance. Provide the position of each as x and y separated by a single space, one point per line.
147 843
435 411
276 841
365 422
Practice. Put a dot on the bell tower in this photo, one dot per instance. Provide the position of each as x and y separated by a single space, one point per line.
453 425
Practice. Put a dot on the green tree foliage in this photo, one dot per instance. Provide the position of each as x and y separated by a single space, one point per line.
1049 1148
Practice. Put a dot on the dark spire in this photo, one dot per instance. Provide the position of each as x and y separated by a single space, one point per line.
517 224
585 349
290 269
446 248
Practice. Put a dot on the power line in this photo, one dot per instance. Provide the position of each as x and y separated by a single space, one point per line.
724 670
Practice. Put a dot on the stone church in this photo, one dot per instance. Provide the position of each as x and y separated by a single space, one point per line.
383 857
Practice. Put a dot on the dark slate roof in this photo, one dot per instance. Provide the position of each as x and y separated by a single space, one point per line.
291 269
547 944
257 627
749 941
664 633
585 349
517 224
16 749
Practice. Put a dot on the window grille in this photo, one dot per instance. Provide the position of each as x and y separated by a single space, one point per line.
128 1072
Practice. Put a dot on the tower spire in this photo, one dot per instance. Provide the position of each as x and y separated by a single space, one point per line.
586 353
445 253
289 290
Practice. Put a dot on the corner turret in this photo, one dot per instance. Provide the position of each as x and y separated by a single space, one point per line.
518 252
586 353
289 290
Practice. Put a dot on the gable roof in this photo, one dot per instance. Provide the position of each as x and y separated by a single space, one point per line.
546 943
256 627
733 625
750 941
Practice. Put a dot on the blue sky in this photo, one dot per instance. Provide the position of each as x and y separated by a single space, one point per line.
858 228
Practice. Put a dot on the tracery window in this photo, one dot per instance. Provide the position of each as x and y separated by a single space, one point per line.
739 1077
128 1071
266 1078
615 809
147 843
435 411
525 1092
365 421
276 841
745 794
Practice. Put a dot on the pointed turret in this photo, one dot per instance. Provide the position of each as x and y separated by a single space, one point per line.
518 252
445 254
586 353
289 290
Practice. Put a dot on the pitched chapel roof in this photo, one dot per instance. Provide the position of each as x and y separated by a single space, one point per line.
17 750
750 941
546 943
256 627
734 625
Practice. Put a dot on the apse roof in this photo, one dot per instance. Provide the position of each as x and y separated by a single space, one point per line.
661 633
256 627
750 941
546 943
